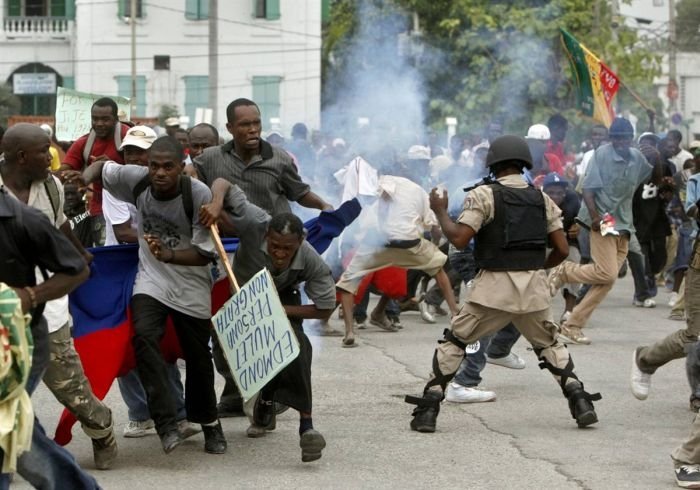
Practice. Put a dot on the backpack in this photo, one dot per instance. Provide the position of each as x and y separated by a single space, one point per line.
54 196
184 185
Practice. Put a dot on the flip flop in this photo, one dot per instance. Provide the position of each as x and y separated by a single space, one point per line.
349 342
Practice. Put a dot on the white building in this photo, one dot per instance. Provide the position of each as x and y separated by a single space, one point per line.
268 50
650 18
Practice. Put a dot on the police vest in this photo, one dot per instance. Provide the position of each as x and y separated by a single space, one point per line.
516 239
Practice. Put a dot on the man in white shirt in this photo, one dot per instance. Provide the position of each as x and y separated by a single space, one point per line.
678 154
25 174
403 215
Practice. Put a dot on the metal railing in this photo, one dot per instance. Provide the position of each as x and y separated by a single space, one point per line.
36 26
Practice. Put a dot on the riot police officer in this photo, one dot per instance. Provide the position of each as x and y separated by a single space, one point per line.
512 224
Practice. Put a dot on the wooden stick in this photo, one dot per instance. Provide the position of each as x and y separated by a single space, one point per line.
224 257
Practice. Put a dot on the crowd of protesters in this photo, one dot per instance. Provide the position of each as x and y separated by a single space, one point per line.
620 203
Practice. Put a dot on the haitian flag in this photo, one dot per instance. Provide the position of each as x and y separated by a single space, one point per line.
102 328
596 84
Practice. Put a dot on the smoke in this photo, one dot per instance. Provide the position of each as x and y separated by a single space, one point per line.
378 93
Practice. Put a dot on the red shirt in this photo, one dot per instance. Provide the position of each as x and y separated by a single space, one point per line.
74 159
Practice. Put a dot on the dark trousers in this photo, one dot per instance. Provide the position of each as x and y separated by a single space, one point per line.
149 316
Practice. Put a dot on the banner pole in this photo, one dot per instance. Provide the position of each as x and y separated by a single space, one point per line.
224 257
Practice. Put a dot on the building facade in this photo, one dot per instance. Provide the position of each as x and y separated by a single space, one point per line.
268 50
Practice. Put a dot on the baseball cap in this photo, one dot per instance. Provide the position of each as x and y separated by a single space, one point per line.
418 152
554 178
139 136
538 132
694 147
648 135
172 121
621 127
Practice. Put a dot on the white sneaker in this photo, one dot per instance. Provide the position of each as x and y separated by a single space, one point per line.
511 361
424 313
139 429
457 393
672 299
639 382
647 303
564 317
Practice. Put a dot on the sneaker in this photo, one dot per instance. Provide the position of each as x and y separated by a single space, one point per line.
647 303
425 314
311 443
437 310
382 322
105 451
688 476
214 440
396 322
672 299
264 414
139 428
170 440
457 393
361 325
409 305
188 429
640 382
572 335
255 431
511 361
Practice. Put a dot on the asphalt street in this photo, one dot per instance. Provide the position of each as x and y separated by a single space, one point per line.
525 439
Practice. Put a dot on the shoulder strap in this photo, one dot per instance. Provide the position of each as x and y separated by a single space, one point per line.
141 186
88 147
186 190
54 196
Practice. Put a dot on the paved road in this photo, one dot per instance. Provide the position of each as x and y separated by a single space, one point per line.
525 439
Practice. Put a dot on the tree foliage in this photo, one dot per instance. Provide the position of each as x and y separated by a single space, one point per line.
503 59
688 25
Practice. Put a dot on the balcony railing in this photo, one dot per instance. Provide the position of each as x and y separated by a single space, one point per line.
39 27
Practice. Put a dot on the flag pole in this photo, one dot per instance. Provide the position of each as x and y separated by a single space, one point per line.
224 257
636 97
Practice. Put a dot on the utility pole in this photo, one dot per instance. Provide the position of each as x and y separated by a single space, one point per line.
132 22
213 59
672 71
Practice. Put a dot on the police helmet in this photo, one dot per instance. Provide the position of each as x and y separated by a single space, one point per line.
509 147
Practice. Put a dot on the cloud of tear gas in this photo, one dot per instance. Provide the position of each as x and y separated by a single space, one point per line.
379 96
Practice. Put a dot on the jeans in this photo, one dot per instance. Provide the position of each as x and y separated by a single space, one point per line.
134 395
495 346
47 465
149 316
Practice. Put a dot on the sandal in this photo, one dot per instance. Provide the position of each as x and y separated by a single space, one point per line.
349 342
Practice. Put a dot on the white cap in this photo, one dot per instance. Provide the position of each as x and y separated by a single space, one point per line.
418 152
172 121
338 142
139 136
47 129
538 132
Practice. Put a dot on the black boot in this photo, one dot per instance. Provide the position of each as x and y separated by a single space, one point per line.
581 404
264 414
425 414
214 440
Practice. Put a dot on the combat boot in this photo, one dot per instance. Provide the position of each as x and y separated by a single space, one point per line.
104 445
426 412
581 404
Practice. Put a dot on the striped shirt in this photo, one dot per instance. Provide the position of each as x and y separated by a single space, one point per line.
269 181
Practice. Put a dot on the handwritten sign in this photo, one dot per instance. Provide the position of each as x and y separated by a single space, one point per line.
73 112
255 334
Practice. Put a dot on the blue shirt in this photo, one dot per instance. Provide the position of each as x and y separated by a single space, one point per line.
613 181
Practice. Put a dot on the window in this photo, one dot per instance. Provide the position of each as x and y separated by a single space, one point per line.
161 62
266 93
124 90
196 95
41 8
196 9
266 9
124 9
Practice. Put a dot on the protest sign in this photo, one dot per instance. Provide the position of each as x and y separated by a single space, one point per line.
255 334
73 112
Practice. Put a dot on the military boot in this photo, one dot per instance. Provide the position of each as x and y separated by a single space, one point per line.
581 404
426 412
104 445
